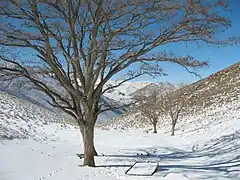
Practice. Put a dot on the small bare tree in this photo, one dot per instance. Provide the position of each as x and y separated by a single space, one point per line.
82 44
147 105
172 102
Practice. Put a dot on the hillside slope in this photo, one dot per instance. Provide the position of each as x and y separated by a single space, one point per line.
22 119
217 89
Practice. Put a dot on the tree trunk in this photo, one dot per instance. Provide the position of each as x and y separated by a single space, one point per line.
173 128
82 132
89 149
154 128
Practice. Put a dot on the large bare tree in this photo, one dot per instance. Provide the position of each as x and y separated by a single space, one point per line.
81 44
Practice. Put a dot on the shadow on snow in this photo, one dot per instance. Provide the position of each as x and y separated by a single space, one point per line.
214 159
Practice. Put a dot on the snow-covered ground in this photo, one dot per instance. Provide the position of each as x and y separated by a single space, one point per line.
178 157
35 147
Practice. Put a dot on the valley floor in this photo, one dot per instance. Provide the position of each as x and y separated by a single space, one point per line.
184 156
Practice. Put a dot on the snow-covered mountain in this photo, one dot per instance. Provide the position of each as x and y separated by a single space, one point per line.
125 90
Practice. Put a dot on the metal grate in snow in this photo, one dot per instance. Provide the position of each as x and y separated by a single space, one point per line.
142 169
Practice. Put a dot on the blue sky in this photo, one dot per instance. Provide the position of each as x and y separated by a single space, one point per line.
219 58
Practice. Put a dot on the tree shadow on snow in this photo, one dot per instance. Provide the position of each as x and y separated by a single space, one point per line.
110 166
216 158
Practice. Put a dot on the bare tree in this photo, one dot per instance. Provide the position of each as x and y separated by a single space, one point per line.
172 102
148 107
81 44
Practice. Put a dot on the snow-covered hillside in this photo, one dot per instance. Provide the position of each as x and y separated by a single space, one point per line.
205 97
22 119
119 95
